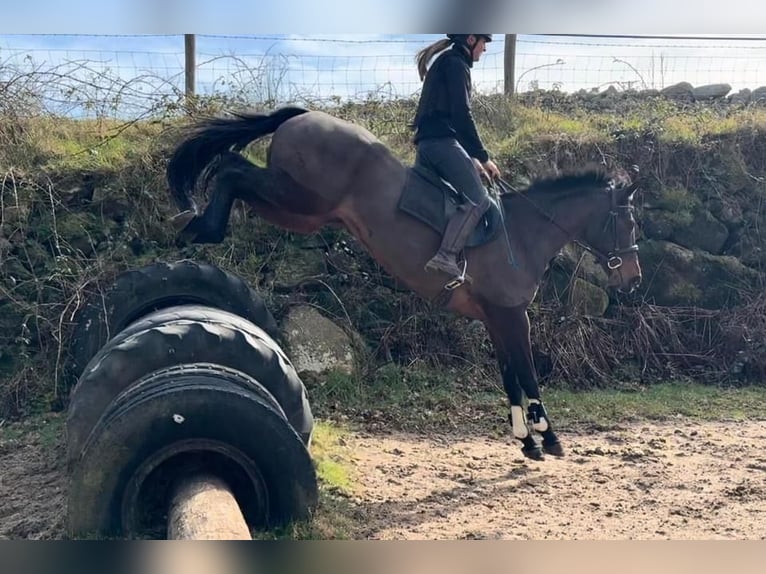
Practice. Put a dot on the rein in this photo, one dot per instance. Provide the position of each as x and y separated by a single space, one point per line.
612 259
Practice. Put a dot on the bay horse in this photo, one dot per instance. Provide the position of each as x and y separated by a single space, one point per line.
322 170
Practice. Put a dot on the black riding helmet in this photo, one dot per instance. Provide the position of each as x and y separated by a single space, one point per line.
462 37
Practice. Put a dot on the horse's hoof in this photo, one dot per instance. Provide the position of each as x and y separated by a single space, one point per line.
181 221
554 449
533 453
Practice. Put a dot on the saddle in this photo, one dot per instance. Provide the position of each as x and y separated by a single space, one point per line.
433 200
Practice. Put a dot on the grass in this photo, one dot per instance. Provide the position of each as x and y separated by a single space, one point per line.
335 515
44 429
420 399
509 128
660 402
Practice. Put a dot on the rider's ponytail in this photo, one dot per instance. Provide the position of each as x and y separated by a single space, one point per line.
424 56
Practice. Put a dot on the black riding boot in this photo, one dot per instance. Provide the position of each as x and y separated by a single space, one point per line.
456 234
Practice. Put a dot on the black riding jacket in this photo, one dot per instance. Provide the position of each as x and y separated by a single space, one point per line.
444 107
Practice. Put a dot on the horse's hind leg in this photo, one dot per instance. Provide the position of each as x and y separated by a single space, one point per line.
235 178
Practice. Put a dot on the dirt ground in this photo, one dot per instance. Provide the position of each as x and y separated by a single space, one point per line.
645 481
683 481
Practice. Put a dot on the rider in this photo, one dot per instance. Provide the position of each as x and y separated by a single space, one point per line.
447 139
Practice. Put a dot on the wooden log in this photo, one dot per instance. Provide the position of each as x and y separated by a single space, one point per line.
203 508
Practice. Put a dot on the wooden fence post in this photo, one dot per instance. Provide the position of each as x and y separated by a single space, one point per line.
509 64
191 68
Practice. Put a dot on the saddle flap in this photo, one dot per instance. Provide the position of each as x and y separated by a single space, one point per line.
433 201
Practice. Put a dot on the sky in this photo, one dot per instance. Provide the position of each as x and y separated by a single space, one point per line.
134 68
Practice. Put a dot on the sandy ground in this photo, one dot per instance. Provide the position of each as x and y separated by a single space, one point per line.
680 481
688 481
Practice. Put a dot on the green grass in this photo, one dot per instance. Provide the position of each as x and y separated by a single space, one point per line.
511 129
659 402
419 399
335 515
44 429
410 399
330 458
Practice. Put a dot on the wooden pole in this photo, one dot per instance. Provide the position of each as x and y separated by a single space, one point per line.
510 64
203 508
190 51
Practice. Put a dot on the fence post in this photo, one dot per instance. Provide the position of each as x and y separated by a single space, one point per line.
509 64
191 68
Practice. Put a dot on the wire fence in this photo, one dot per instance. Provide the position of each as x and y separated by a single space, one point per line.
141 76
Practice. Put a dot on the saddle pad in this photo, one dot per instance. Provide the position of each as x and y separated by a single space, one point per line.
432 201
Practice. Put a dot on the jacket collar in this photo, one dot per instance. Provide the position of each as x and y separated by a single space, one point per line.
463 53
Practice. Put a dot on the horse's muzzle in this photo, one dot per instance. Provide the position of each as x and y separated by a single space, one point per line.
633 284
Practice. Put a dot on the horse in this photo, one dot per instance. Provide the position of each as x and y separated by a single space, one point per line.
322 170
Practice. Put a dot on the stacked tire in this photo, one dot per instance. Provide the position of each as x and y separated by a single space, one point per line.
178 370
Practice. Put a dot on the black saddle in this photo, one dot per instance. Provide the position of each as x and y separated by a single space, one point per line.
433 200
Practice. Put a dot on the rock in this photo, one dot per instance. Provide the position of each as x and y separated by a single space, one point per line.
703 232
750 249
711 91
316 344
589 299
759 95
683 277
681 90
726 210
112 208
741 97
588 269
5 247
658 223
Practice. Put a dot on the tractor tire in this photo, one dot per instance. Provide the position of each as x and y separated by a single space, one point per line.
177 336
136 293
173 423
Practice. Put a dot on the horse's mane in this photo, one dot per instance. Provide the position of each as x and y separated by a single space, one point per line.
589 176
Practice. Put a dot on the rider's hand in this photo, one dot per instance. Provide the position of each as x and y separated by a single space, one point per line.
490 167
480 168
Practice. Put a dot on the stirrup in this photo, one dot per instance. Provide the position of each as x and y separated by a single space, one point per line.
181 221
459 280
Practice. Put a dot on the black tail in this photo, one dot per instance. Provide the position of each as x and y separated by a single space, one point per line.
212 137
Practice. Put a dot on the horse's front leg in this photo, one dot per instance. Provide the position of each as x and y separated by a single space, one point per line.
509 329
497 328
537 415
519 424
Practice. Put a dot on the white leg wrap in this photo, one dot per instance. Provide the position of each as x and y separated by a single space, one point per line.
542 424
519 423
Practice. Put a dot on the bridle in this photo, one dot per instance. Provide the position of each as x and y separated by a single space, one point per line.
613 258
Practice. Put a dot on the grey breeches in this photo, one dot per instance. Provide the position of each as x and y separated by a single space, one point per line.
447 158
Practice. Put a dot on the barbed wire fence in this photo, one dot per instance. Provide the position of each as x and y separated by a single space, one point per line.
132 77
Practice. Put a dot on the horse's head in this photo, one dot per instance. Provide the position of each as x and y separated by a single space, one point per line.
612 239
